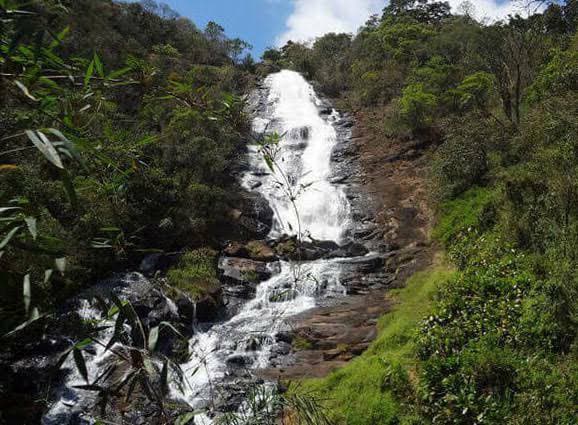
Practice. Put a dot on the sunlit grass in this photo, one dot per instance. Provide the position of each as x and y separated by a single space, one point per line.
363 392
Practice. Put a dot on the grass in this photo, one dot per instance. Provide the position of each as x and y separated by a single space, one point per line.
463 212
364 392
195 274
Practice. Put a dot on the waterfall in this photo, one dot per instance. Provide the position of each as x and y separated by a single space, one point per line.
248 339
304 155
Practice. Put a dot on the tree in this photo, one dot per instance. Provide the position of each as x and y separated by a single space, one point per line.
417 106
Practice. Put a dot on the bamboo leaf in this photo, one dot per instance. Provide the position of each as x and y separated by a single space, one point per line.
118 328
31 224
153 338
25 90
58 39
47 275
69 187
186 418
26 293
4 209
45 147
9 236
80 363
60 264
98 65
89 73
63 358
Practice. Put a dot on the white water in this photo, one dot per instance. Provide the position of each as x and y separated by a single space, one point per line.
324 215
323 207
323 212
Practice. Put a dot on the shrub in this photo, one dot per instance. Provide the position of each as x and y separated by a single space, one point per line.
418 106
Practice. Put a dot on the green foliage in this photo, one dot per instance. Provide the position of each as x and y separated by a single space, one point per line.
417 106
558 77
196 274
475 91
472 210
112 154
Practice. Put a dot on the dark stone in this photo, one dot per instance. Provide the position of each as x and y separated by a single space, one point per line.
239 360
244 269
284 337
300 133
281 349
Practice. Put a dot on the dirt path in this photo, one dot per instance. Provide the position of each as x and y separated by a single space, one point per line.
392 174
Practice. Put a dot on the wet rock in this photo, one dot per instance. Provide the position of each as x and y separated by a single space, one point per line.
366 264
257 215
254 184
236 249
300 133
155 262
339 179
260 251
244 269
281 349
239 360
205 309
284 337
253 344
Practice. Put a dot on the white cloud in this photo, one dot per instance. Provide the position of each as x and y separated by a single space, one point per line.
490 9
313 18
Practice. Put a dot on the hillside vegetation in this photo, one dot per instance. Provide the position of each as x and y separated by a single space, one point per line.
120 126
499 103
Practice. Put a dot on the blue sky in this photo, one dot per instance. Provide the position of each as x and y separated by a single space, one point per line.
258 22
266 23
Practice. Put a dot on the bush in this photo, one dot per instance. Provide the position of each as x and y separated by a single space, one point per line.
417 106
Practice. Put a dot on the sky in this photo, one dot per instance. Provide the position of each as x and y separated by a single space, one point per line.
265 23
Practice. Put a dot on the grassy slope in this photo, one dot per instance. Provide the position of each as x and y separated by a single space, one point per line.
359 393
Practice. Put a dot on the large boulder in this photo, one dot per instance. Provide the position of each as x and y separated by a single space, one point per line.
244 269
261 251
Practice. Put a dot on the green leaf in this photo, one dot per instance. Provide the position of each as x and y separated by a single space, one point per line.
83 344
31 224
9 236
118 328
26 293
118 73
98 65
80 363
89 73
58 39
69 188
47 275
25 90
4 209
186 418
45 147
153 338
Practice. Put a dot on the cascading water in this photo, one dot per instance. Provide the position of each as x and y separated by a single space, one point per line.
304 158
246 340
